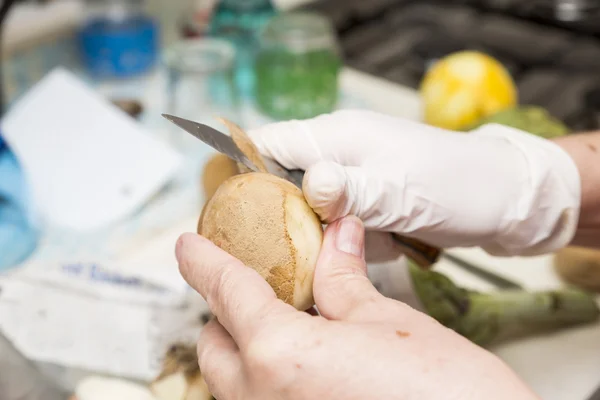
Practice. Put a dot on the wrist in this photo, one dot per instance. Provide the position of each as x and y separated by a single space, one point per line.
545 216
584 150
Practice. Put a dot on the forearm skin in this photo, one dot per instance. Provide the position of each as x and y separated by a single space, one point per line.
584 149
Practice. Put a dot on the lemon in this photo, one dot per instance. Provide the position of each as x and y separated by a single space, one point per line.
464 87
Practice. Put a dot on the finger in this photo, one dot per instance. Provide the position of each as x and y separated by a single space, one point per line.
341 287
381 247
301 143
344 136
335 191
219 361
237 295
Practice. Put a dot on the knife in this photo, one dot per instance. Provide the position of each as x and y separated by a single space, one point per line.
421 253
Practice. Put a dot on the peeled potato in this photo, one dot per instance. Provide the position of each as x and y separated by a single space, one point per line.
579 266
265 222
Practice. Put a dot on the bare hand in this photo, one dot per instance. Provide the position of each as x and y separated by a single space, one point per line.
362 346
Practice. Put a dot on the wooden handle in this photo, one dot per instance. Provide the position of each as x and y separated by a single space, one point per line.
421 253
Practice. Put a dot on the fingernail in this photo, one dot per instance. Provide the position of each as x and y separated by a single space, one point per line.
350 236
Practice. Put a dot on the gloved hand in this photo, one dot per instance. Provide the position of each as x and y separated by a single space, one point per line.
504 190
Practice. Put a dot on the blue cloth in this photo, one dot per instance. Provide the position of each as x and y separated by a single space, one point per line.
18 235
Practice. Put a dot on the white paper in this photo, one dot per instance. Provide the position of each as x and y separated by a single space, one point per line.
84 316
154 260
100 280
51 325
89 164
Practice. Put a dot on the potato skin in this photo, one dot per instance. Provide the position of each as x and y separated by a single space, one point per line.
264 221
217 170
579 266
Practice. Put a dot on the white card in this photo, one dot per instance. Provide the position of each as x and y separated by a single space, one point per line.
89 164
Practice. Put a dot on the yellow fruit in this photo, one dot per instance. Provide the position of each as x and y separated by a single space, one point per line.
465 87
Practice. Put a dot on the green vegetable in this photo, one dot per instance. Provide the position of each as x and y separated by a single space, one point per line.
486 318
532 119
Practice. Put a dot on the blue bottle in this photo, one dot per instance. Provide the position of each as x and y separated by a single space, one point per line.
117 39
18 235
240 21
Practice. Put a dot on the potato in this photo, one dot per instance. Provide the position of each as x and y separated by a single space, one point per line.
216 171
220 167
579 266
265 222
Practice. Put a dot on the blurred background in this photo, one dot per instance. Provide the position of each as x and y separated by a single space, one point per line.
96 186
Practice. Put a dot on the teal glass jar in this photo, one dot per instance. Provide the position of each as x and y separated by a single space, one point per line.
239 22
297 66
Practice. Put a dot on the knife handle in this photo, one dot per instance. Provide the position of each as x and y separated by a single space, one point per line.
422 254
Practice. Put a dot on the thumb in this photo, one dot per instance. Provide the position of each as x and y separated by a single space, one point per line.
341 287
335 191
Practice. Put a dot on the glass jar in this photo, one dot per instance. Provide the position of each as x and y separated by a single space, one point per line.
201 85
239 22
297 67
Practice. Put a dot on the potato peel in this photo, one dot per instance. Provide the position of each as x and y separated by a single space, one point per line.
245 144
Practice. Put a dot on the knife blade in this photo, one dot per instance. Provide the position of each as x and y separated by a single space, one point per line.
225 144
421 253
215 139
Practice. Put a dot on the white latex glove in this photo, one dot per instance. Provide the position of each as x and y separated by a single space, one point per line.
498 188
